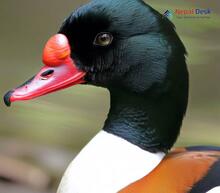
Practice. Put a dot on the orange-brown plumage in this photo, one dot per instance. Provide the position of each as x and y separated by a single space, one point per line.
177 173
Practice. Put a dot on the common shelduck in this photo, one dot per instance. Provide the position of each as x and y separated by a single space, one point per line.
132 50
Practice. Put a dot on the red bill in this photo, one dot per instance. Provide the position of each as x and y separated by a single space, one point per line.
58 73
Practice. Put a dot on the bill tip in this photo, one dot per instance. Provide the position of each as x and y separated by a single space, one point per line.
7 97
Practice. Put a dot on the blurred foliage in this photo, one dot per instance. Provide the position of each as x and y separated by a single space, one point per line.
71 117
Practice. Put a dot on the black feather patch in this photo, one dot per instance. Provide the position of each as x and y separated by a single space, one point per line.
210 181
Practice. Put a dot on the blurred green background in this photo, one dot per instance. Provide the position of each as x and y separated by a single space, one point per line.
64 122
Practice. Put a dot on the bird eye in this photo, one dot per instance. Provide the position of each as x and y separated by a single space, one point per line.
103 39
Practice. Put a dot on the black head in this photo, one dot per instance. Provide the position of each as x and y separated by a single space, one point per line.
144 42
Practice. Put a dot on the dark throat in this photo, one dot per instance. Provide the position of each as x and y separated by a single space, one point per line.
152 123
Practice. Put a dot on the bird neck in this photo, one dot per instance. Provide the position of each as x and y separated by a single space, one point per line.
149 122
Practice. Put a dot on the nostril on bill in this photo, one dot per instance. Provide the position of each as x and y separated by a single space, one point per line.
45 75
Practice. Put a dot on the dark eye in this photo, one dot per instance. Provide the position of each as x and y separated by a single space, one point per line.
103 39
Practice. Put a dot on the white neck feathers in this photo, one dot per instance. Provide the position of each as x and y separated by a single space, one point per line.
107 164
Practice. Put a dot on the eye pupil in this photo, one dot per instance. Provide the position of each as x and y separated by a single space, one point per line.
103 39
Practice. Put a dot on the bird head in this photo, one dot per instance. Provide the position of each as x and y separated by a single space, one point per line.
124 45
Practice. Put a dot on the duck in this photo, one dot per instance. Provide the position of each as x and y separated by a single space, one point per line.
132 50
